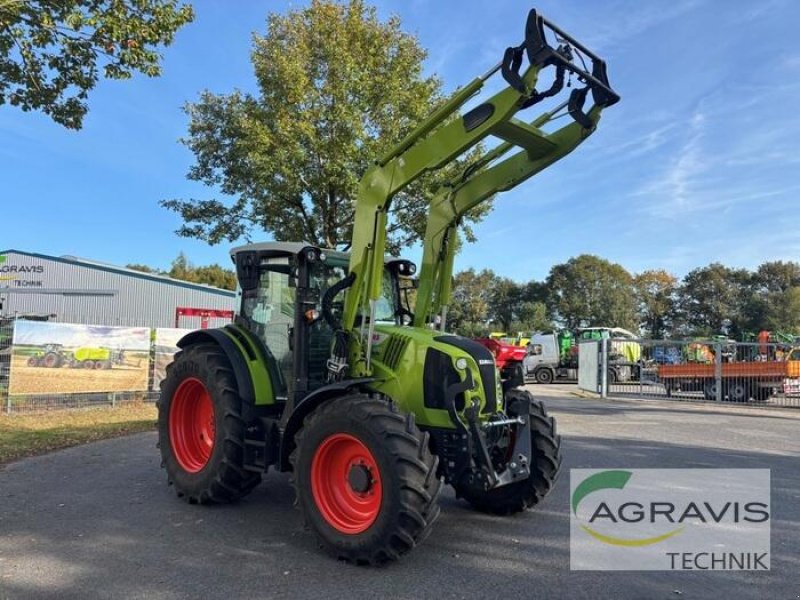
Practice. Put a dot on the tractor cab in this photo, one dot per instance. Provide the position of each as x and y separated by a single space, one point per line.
281 287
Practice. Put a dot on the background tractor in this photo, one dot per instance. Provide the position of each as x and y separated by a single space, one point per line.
329 374
51 356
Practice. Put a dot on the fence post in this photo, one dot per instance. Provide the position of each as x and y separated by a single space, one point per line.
718 370
604 368
641 369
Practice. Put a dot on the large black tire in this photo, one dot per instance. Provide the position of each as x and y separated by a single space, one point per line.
710 390
762 393
545 467
400 461
544 375
222 478
52 360
737 391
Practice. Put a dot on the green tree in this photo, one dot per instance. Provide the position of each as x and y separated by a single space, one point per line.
51 53
337 86
469 308
141 268
772 300
531 316
214 275
517 307
504 300
712 295
784 311
184 270
655 295
590 291
777 276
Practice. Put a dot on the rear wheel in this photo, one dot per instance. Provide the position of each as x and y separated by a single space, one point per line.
738 391
51 360
365 479
544 376
762 392
201 430
710 389
545 466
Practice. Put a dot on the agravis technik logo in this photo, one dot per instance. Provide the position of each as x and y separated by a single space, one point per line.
674 519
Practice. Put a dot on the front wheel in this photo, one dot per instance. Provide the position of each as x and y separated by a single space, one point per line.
545 466
544 376
365 479
200 428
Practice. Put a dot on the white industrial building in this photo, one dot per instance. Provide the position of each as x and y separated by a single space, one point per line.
76 290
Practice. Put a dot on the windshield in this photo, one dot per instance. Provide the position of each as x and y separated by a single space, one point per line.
385 305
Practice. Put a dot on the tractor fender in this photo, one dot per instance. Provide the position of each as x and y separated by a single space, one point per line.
244 381
306 406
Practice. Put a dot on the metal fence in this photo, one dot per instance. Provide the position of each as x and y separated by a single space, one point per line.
26 403
702 370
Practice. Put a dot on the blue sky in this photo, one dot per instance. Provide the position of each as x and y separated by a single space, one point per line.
699 162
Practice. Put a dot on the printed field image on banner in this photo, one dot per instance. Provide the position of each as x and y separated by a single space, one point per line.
166 345
65 358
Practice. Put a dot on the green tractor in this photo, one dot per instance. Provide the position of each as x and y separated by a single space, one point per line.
51 356
329 374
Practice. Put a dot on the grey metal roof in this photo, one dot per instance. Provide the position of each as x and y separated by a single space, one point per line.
73 260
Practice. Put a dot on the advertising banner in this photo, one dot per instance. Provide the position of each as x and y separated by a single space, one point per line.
166 345
64 358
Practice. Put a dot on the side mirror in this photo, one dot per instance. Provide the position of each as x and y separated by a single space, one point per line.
247 270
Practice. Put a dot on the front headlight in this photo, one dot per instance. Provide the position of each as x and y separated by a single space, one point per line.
461 363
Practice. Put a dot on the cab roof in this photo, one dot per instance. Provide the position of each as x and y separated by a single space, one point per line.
268 249
283 249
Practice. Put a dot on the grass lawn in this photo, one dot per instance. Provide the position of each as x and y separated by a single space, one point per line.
28 435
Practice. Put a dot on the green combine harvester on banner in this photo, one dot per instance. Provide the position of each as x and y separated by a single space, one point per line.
329 373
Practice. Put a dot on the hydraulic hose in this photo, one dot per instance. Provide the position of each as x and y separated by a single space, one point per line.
329 295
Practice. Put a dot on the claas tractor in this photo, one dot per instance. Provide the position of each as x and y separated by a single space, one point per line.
329 374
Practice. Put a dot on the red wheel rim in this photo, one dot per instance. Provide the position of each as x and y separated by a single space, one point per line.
191 425
346 483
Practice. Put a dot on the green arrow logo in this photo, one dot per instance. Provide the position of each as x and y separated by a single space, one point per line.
616 480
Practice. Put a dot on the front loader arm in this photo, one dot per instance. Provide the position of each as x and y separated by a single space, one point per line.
446 135
479 183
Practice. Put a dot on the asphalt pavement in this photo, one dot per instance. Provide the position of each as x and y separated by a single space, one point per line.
99 521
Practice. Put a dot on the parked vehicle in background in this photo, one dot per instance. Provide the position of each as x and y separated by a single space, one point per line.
740 380
553 355
522 339
507 357
748 370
